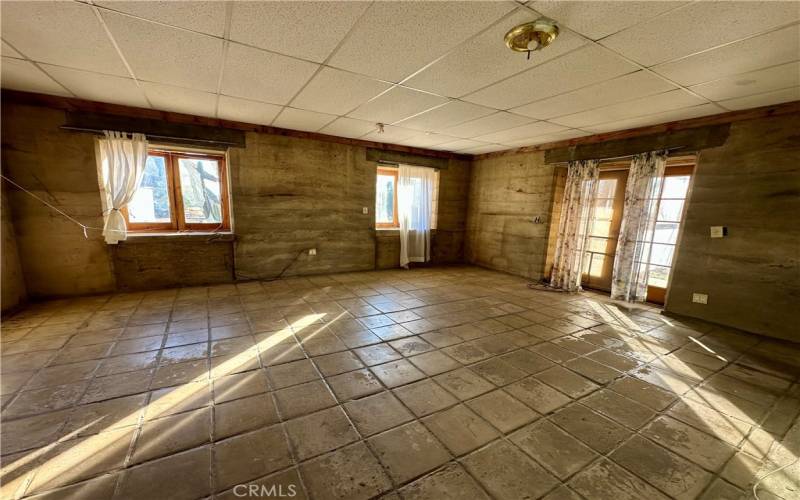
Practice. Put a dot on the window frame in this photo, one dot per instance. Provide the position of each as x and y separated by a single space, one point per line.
177 214
395 224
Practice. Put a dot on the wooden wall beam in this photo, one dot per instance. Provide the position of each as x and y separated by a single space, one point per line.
80 105
733 116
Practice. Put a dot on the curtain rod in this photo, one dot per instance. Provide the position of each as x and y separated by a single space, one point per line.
154 136
673 148
397 164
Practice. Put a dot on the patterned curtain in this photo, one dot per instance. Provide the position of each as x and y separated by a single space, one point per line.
646 176
579 195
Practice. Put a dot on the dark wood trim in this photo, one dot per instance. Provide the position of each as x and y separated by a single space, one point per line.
733 116
73 104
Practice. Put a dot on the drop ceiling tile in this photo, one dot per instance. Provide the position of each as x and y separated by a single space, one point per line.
167 55
301 119
24 75
180 100
309 30
8 51
658 118
452 113
598 19
545 138
338 92
585 66
486 59
394 39
623 88
63 33
754 82
205 17
263 76
348 127
426 140
674 99
699 26
486 148
520 133
765 99
770 49
459 145
488 124
396 104
242 110
98 87
390 134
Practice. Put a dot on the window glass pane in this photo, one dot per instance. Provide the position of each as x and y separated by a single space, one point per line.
603 209
601 228
661 254
597 244
666 232
675 186
596 269
151 201
670 210
384 199
200 188
606 188
658 276
587 260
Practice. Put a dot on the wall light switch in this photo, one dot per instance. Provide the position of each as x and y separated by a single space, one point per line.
700 298
312 251
365 210
719 231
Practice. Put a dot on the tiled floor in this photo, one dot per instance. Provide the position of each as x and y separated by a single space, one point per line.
437 383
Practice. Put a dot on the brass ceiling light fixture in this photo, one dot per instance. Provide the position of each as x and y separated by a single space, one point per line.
532 36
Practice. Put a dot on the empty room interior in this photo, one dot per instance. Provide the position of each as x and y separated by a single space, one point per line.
400 250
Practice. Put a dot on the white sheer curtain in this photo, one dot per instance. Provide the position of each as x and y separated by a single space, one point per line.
645 178
414 203
121 162
573 228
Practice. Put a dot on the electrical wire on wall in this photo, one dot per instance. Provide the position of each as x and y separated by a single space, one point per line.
211 238
272 278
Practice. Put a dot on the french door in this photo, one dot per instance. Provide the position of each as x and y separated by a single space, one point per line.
604 228
598 265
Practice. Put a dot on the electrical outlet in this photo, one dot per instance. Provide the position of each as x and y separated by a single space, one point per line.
700 298
312 251
365 210
719 231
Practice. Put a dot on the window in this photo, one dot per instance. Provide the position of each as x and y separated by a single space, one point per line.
180 192
661 250
386 199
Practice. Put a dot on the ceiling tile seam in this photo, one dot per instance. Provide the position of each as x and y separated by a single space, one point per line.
653 114
719 103
217 37
398 122
631 61
225 44
760 33
501 19
226 31
733 75
324 64
37 66
535 66
113 41
655 94
649 19
140 18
